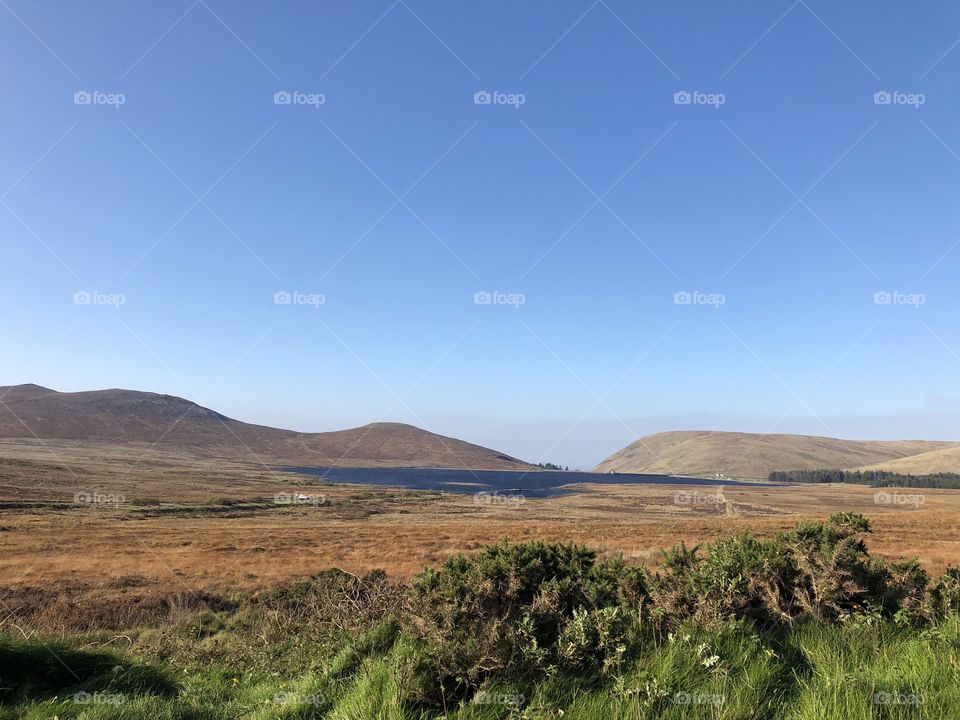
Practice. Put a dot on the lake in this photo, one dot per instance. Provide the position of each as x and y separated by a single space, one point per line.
534 484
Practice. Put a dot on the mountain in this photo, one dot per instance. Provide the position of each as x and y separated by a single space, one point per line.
750 455
129 416
936 461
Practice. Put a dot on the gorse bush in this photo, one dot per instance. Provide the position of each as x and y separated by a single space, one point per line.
739 577
532 610
517 610
332 602
944 596
595 639
818 570
835 575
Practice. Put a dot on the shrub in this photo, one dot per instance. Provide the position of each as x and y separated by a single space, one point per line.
905 591
739 577
819 569
944 597
595 639
518 610
836 576
329 604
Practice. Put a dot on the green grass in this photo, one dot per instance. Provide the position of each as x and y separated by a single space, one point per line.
859 671
880 670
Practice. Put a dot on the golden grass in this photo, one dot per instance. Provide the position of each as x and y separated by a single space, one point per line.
110 550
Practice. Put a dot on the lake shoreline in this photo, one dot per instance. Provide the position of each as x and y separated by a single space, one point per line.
533 483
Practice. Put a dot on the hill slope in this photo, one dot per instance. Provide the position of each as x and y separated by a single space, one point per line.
755 455
937 461
128 416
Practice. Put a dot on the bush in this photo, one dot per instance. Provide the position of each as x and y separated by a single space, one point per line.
739 577
836 576
905 593
595 639
329 605
819 569
944 597
519 610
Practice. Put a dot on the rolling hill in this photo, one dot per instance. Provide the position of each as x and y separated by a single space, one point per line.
946 460
748 455
129 416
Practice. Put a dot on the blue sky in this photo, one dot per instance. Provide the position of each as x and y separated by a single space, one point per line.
584 197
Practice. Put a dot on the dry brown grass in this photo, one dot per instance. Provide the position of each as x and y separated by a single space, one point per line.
752 455
127 551
946 460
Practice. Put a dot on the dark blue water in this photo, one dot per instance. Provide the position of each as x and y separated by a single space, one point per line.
545 483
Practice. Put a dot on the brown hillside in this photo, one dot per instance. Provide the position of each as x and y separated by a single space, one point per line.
946 460
128 416
747 455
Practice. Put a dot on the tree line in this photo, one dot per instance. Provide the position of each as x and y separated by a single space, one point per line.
873 478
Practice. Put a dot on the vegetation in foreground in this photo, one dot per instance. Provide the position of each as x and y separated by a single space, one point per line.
804 625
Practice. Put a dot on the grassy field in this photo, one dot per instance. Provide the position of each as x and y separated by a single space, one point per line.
347 648
813 673
194 594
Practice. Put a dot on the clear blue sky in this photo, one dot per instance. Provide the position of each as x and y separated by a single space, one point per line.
795 200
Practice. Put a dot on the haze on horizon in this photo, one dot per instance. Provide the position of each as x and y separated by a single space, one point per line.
544 232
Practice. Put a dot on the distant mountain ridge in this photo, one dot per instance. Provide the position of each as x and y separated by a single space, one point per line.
748 455
131 416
